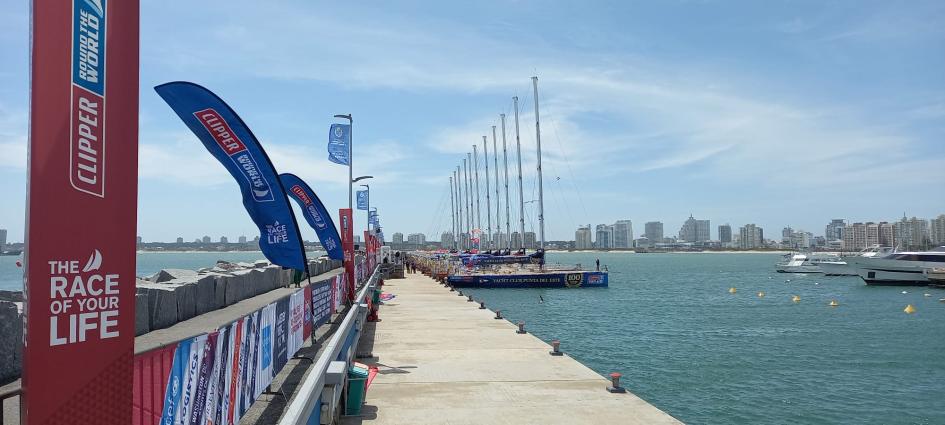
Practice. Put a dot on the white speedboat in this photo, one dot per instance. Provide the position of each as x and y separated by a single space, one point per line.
900 268
805 263
841 267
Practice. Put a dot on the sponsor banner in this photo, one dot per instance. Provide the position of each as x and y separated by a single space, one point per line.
248 387
307 324
339 141
232 143
322 301
315 214
296 315
363 199
175 383
151 372
280 348
207 363
347 242
213 408
264 366
78 347
236 371
191 378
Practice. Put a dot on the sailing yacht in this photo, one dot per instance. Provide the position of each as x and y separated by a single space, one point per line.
899 268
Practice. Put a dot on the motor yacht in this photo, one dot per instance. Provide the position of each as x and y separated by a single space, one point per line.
899 268
841 267
805 263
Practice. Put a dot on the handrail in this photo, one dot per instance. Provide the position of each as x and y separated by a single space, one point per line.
309 393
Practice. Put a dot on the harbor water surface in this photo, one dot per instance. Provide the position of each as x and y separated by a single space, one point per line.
685 344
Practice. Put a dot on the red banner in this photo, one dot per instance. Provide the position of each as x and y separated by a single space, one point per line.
347 243
151 372
80 267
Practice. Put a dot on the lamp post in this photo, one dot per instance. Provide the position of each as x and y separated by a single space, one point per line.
355 180
350 152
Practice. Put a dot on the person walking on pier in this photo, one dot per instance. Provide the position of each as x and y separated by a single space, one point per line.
598 264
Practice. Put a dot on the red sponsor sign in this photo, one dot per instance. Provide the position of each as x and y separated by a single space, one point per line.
80 271
220 131
347 244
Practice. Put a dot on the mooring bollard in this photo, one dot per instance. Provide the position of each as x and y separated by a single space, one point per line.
615 383
482 305
460 293
470 299
521 328
452 289
498 314
555 348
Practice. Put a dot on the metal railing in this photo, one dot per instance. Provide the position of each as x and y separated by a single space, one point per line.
309 399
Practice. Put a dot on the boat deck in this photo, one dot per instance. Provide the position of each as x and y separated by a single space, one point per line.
443 360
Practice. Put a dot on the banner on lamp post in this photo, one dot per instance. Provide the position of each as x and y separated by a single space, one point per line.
79 322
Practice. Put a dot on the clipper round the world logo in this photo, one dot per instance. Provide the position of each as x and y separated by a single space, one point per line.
87 126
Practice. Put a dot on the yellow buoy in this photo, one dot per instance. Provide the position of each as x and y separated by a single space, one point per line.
909 309
834 303
761 294
796 299
731 290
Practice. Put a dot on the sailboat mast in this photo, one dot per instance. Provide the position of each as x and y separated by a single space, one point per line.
505 159
459 208
452 211
485 160
498 200
521 195
467 204
469 187
478 212
541 200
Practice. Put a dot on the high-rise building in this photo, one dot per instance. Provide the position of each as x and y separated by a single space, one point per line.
516 240
582 238
223 239
398 238
180 240
653 230
623 234
138 240
750 237
937 233
242 239
694 230
416 239
446 240
725 233
887 234
3 238
205 239
913 233
834 230
605 236
786 235
530 241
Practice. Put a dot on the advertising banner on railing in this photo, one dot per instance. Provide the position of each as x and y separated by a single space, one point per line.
280 348
151 372
321 302
307 324
79 283
296 316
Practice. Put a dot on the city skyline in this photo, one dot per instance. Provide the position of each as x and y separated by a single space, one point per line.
650 110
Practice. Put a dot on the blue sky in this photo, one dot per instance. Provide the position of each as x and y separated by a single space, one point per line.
775 113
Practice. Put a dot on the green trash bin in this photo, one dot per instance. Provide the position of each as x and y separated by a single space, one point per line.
376 299
357 390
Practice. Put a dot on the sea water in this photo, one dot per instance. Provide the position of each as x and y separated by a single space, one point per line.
685 344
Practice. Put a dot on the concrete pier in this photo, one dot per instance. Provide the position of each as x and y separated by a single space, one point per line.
442 360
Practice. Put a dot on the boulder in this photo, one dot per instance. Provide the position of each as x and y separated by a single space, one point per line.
11 341
142 317
206 300
166 275
261 263
162 303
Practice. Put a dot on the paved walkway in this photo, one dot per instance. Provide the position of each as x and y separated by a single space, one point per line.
444 361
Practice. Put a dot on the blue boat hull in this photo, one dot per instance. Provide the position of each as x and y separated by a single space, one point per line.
537 280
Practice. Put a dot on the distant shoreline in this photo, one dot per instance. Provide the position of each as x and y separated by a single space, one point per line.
587 251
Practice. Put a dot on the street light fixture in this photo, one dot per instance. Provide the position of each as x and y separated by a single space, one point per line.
367 211
357 179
